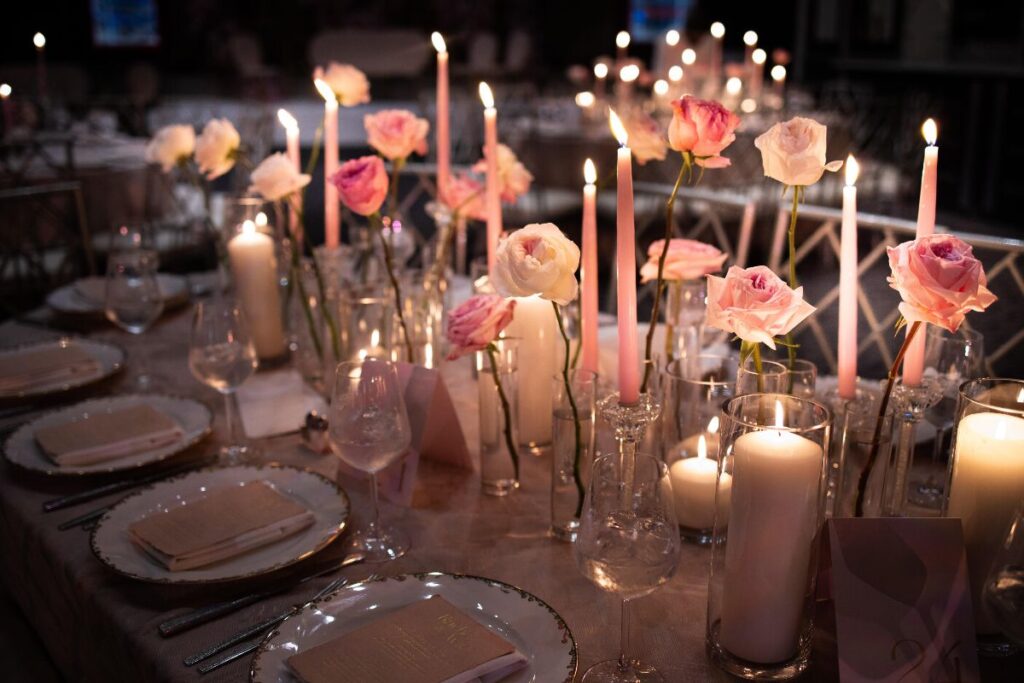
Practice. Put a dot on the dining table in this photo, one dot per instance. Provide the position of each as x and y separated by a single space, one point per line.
98 625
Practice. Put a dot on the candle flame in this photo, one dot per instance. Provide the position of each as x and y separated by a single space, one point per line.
325 90
930 131
248 227
39 40
287 120
438 40
750 38
5 90
601 70
778 73
780 415
585 99
486 96
672 38
618 130
717 30
375 338
660 87
759 56
713 425
702 447
589 172
261 219
629 73
622 39
689 56
733 85
675 73
852 171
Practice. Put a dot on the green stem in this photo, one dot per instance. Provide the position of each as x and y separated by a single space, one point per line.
758 368
790 346
579 346
389 263
297 278
510 444
576 473
396 166
332 326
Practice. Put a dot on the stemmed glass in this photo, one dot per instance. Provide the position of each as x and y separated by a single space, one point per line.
369 430
133 300
221 355
628 544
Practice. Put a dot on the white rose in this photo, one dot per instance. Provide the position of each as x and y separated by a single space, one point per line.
348 83
537 259
276 178
793 152
216 147
170 146
513 176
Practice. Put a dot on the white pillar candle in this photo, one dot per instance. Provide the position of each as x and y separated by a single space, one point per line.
536 328
773 517
254 270
693 487
986 488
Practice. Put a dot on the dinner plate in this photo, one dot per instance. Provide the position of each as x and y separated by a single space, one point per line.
329 504
519 617
194 418
109 357
68 299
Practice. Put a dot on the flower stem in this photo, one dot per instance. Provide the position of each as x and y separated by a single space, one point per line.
576 474
790 346
332 326
397 165
510 443
756 352
389 262
862 483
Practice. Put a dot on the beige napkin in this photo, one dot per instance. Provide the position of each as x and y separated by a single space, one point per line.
429 641
47 367
228 521
108 436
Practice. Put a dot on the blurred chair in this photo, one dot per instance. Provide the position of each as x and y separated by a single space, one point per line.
518 51
394 53
245 54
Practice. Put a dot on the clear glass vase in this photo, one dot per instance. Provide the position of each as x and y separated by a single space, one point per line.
424 301
685 314
366 318
497 375
311 338
571 472
855 435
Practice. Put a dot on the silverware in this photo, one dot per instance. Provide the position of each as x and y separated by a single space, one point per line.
196 617
84 520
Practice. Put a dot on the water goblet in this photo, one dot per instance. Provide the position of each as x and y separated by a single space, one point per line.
133 300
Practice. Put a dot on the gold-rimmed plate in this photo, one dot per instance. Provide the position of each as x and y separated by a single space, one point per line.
85 297
112 544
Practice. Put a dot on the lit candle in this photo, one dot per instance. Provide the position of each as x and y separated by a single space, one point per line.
717 33
913 361
332 210
254 271
847 351
750 40
622 43
758 57
39 40
291 133
625 263
986 488
694 479
444 150
600 78
772 522
778 74
5 94
493 190
588 274
540 345
624 88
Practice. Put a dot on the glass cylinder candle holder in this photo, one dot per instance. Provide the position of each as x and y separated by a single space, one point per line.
803 377
497 371
761 592
366 318
773 378
571 472
986 480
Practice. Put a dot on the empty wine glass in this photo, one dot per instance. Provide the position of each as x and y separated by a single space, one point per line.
133 300
221 355
628 544
369 430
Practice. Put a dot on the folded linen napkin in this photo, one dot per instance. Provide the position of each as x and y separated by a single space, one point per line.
226 522
429 641
108 436
43 368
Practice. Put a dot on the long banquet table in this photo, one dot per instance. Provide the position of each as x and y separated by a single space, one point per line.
100 626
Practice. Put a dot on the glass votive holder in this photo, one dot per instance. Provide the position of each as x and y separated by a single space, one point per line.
803 376
569 473
986 481
773 378
771 470
366 319
497 376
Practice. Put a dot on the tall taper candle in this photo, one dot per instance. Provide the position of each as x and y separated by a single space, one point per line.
291 133
443 139
717 34
493 192
332 210
625 263
848 285
39 40
588 274
5 95
913 362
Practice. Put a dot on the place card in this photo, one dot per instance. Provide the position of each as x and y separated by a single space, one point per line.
436 432
103 436
894 603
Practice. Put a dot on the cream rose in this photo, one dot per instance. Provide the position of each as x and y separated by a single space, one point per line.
276 178
537 259
515 179
686 260
755 305
793 152
396 133
217 147
646 138
349 84
171 146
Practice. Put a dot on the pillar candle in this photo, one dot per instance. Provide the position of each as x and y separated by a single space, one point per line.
254 271
588 274
625 265
291 132
847 351
493 188
913 361
540 348
694 482
985 490
444 150
332 210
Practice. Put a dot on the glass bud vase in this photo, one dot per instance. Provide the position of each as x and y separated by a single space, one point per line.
569 472
772 460
499 455
311 338
366 317
685 314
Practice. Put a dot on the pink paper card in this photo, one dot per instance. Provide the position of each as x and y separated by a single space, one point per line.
894 603
436 432
396 482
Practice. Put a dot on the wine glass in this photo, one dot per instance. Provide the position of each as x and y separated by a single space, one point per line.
133 300
628 544
221 355
369 430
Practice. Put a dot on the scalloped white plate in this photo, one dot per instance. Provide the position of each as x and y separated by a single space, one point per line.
110 358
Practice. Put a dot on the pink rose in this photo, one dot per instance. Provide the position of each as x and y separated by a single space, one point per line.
362 184
396 133
464 195
686 260
477 323
755 304
939 279
646 138
515 179
793 152
703 128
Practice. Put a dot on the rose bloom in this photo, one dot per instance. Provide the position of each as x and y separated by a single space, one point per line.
464 195
646 139
755 304
362 184
686 260
703 128
793 152
514 178
537 259
276 178
349 84
939 279
170 146
477 323
216 148
396 133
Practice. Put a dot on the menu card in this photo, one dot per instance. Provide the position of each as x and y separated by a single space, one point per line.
106 436
45 367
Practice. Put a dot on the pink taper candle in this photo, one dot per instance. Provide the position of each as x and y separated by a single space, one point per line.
717 33
848 285
625 264
5 95
332 210
443 139
913 362
589 359
291 132
493 191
